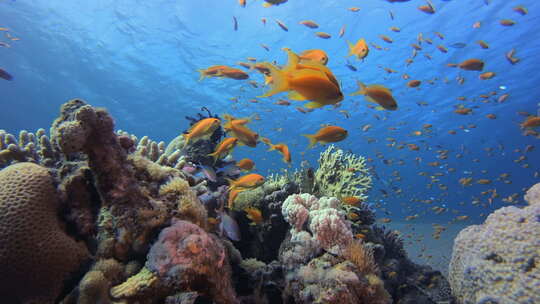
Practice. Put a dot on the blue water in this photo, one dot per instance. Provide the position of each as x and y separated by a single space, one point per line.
139 59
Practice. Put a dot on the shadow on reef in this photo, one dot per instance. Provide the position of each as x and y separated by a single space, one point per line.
90 215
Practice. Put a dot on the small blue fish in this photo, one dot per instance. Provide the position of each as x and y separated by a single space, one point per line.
458 45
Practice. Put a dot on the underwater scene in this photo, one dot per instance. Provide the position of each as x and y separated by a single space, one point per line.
270 151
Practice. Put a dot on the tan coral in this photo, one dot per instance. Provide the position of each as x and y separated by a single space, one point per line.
141 283
36 255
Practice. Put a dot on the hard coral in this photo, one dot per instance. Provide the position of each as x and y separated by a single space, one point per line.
498 260
36 255
342 174
184 257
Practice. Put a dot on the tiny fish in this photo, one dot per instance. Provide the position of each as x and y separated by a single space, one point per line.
235 23
309 23
458 45
351 67
341 31
5 75
323 35
507 22
282 25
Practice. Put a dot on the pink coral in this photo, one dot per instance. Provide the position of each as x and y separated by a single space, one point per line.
186 257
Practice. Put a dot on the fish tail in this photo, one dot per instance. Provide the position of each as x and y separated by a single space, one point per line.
351 46
186 138
312 140
279 84
202 74
292 60
232 197
272 147
215 156
361 89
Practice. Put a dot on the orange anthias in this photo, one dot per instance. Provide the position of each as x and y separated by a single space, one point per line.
327 135
246 182
305 80
240 131
283 149
201 129
377 94
315 55
360 49
224 148
245 164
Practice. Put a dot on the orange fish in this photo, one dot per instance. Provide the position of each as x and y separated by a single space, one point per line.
246 182
377 94
308 80
395 29
360 49
442 48
202 128
309 23
463 111
351 200
507 22
386 38
483 44
242 3
486 75
520 9
234 73
255 215
224 148
510 56
283 149
469 65
245 164
428 8
323 35
233 194
326 135
213 71
316 55
413 83
531 122
240 131
354 9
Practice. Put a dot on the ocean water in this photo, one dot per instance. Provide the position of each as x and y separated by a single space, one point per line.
139 59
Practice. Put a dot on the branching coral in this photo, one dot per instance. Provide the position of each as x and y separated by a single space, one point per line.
342 174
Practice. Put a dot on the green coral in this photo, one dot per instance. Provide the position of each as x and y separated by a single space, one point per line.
342 174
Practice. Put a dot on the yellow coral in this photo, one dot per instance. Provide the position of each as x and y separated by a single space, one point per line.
136 285
342 174
176 185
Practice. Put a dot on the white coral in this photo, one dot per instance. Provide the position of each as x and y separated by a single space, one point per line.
331 229
499 259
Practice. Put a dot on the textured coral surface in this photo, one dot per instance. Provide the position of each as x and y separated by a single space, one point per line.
36 256
499 260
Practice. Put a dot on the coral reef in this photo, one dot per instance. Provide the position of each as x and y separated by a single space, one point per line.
149 219
36 254
497 261
341 174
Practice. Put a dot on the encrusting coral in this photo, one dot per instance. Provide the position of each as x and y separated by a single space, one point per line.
184 257
36 254
497 261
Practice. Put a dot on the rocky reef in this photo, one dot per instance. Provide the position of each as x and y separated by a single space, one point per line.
93 215
498 261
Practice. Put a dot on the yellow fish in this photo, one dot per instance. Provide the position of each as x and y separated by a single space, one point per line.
202 128
360 49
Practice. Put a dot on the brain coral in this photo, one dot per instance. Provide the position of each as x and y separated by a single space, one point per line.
36 256
498 261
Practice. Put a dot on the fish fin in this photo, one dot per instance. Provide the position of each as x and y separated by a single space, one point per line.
379 108
351 46
292 61
312 140
294 95
361 89
314 105
279 83
452 65
369 99
202 75
214 155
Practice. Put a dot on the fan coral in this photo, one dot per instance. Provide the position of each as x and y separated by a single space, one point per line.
361 257
342 174
36 256
498 260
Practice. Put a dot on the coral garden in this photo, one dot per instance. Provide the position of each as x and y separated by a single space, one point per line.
93 215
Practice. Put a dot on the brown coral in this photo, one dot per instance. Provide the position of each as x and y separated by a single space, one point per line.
36 255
